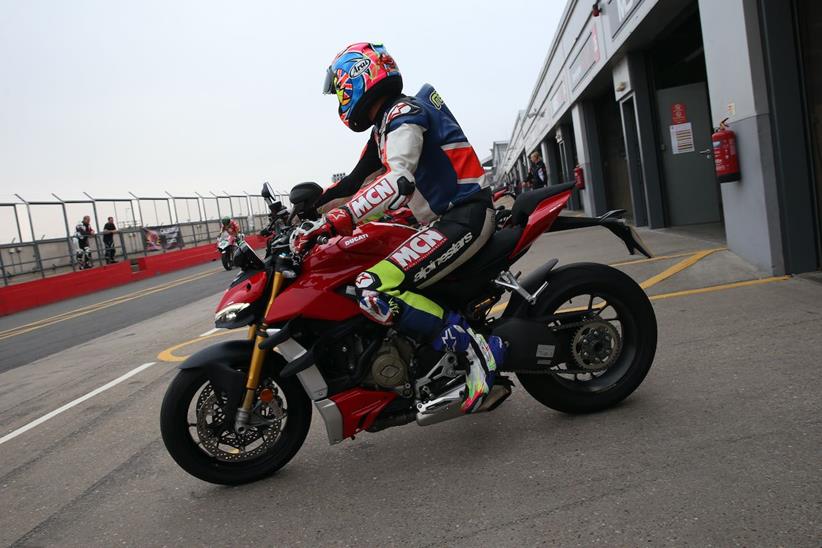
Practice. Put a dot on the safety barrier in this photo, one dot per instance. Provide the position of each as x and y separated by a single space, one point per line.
39 241
31 294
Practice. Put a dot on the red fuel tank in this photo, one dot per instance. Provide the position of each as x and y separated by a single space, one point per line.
315 293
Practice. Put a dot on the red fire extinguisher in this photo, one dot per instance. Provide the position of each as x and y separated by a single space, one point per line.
726 160
579 177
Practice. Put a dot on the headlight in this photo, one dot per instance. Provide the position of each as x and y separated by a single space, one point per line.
228 315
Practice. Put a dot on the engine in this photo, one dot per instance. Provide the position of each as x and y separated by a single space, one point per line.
389 367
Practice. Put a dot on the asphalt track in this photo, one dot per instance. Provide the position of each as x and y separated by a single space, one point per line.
719 446
47 330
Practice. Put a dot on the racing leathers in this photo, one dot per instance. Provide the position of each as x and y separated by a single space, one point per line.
418 157
232 228
82 232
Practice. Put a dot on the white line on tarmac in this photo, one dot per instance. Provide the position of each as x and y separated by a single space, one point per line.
210 331
71 404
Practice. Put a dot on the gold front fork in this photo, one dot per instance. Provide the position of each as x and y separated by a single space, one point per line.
258 356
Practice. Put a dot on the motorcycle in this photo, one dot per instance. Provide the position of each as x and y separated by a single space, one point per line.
579 339
226 247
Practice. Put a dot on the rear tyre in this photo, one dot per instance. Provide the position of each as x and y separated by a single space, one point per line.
616 295
208 460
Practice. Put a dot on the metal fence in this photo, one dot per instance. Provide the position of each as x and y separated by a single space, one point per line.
37 238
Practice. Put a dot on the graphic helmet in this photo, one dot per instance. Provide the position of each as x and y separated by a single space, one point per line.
225 220
361 74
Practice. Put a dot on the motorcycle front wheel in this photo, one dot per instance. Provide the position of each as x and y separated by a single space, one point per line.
196 434
228 258
611 332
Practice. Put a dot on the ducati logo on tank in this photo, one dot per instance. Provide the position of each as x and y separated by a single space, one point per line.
414 250
370 198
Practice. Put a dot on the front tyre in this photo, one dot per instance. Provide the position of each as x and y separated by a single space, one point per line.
611 337
228 258
199 440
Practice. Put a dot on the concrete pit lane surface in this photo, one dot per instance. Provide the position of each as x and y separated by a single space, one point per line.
719 446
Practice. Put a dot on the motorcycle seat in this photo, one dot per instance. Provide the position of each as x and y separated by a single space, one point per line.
527 202
465 282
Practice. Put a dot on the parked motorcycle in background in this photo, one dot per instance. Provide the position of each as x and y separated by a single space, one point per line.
227 246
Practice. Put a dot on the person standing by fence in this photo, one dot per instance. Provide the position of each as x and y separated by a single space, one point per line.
82 233
108 239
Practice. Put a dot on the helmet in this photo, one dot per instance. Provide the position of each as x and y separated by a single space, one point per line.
361 74
225 220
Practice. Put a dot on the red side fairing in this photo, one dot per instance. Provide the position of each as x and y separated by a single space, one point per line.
313 294
249 291
359 408
541 219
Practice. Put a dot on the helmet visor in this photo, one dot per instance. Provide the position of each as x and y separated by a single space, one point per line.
329 87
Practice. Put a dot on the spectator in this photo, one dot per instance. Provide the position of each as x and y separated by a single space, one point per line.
537 175
109 229
82 232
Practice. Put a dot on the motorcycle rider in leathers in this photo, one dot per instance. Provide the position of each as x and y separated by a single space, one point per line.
417 157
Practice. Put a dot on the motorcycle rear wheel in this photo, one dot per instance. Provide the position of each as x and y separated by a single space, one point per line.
192 454
637 335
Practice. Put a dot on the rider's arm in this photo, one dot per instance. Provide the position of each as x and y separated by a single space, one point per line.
406 124
368 164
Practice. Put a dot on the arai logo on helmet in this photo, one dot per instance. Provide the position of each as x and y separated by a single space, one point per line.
360 67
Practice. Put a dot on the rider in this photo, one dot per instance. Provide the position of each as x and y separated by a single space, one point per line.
417 156
82 232
230 226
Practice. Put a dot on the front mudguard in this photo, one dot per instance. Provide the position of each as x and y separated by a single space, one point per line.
220 363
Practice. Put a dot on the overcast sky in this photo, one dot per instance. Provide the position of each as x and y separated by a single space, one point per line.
108 96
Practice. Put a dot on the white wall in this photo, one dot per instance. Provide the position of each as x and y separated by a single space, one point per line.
738 91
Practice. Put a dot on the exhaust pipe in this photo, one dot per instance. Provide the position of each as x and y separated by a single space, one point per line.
447 406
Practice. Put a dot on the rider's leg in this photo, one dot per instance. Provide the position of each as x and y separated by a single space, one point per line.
386 296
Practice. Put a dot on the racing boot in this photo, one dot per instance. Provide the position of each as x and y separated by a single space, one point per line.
457 337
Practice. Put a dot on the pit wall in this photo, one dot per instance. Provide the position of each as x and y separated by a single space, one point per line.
23 296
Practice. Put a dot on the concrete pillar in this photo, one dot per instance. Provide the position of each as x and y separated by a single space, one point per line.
738 90
586 137
552 161
543 150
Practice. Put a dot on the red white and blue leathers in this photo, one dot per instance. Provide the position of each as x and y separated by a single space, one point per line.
419 139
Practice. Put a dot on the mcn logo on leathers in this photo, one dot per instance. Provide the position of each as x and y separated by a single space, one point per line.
417 248
370 198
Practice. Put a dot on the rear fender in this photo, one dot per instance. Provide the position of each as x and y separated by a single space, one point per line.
612 221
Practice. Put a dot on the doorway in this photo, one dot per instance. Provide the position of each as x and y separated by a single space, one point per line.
691 188
809 18
633 162
614 157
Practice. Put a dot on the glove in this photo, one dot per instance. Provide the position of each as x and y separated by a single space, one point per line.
336 222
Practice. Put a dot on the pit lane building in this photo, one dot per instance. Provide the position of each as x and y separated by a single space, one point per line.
631 90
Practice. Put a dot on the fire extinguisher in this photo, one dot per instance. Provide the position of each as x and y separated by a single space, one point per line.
726 160
579 177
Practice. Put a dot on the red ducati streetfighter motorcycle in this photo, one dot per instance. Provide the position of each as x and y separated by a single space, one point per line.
579 339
